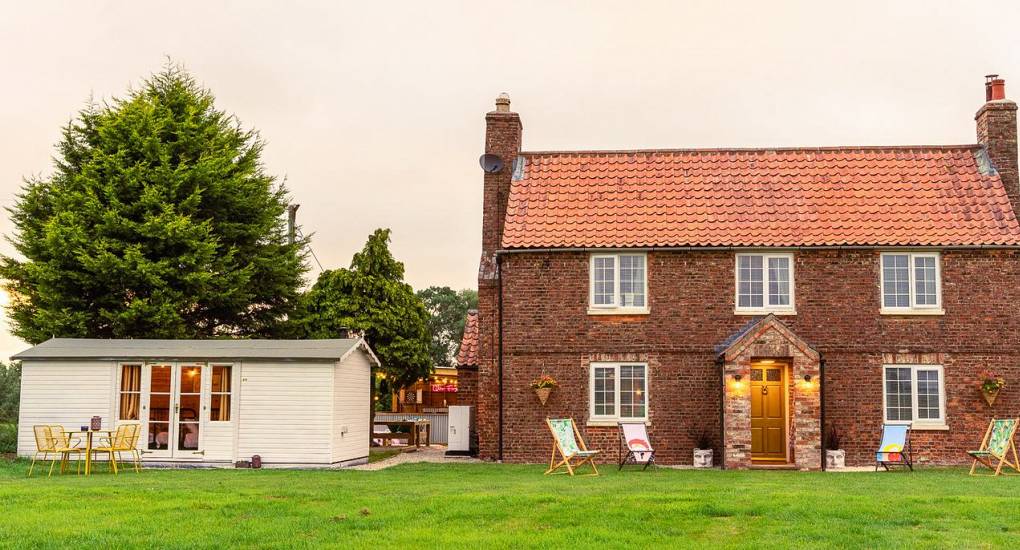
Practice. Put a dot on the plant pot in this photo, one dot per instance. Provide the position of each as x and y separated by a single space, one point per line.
990 395
702 458
543 394
835 460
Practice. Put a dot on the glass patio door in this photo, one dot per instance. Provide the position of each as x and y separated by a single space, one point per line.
174 403
160 403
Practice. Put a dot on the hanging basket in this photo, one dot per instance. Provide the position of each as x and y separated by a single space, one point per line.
543 394
990 396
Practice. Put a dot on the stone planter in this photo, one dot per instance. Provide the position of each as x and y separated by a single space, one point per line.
543 394
702 458
835 460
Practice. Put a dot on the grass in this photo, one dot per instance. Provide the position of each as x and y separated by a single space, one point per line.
376 454
507 506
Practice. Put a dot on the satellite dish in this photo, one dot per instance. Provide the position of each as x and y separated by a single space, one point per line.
490 163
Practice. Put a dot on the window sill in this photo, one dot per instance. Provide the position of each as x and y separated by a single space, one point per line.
612 423
618 310
930 428
764 311
894 311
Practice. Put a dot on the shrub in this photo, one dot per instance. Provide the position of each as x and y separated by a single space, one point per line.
8 438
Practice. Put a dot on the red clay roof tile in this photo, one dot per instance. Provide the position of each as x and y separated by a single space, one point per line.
468 354
917 196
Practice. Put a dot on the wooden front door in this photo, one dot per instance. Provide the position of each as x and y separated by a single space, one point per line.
768 412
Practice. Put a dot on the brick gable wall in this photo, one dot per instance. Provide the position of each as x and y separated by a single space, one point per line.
547 330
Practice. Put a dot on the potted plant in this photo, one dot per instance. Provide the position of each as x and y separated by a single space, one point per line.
835 456
991 385
703 451
543 386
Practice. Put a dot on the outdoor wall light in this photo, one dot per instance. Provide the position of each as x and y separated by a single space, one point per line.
807 378
737 377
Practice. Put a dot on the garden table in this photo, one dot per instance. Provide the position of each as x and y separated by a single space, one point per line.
88 444
417 429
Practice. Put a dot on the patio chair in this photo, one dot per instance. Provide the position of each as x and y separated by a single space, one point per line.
570 445
895 448
53 440
634 445
124 440
996 446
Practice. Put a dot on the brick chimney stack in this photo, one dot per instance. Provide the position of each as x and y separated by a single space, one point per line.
996 130
502 138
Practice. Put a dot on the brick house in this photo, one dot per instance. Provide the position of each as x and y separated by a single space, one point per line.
759 296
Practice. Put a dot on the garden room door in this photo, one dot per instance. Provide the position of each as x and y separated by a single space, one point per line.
172 405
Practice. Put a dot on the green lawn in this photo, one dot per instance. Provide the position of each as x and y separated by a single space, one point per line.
496 506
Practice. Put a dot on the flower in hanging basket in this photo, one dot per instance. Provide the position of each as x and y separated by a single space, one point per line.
992 382
991 385
543 386
544 381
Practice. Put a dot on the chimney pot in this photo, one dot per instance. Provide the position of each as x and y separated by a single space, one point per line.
997 89
503 103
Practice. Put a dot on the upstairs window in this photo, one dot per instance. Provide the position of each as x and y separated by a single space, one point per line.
911 282
764 283
619 282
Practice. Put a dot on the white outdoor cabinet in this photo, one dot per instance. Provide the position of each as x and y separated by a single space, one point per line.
461 426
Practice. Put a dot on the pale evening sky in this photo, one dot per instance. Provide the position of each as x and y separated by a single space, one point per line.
373 111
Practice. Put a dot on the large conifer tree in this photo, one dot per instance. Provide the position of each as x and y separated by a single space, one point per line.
158 221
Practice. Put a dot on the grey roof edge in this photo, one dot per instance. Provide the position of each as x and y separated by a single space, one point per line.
251 349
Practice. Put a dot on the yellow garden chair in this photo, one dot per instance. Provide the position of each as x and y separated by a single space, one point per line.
124 440
996 446
570 445
53 440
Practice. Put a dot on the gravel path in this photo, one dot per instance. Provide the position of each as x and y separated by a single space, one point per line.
435 454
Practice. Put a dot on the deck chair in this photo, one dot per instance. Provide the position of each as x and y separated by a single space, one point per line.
568 443
895 447
634 445
996 446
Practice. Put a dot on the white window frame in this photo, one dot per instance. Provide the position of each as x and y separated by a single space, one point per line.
615 307
929 423
611 420
211 394
766 308
913 308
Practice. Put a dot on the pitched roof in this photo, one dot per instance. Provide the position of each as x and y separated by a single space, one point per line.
468 354
845 196
282 350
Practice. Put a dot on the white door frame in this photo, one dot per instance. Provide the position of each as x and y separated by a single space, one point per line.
174 416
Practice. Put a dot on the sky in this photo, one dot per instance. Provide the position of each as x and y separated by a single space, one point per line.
373 112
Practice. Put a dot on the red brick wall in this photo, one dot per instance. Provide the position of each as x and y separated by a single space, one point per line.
547 329
467 385
996 130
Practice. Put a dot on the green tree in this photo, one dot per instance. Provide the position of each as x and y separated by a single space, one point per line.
158 221
447 311
10 392
372 297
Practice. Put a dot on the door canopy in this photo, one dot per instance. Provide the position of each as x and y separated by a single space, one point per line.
753 332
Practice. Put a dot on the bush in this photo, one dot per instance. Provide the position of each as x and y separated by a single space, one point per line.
8 438
10 392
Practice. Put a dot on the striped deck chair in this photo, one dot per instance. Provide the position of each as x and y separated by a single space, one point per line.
567 441
634 445
895 447
996 446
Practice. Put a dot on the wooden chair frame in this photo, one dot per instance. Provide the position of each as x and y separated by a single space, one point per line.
989 460
573 461
907 454
628 456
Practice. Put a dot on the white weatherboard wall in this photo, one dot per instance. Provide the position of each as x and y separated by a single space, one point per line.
351 412
63 392
286 412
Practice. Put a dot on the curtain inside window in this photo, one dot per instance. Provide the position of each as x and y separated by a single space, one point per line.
130 391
